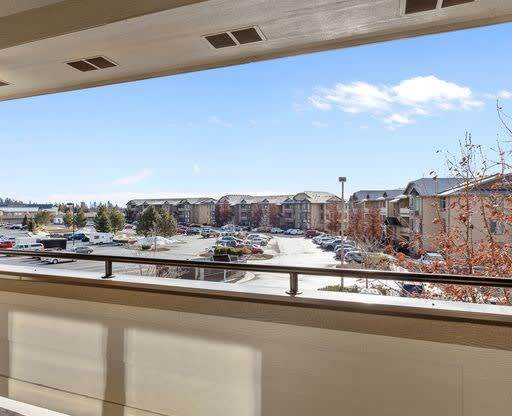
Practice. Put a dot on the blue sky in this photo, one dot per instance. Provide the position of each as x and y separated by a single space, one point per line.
376 114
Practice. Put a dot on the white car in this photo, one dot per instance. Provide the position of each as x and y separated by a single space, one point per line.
258 241
430 258
55 260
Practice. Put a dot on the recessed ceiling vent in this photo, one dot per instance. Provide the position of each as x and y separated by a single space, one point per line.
92 64
449 3
235 37
3 83
416 6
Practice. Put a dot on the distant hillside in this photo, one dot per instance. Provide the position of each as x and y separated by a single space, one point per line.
10 202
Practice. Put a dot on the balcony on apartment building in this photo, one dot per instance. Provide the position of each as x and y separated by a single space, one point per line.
91 344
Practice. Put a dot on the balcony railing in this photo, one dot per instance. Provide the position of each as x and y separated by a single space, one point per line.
292 271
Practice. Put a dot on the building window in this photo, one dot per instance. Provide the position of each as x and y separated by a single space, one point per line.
442 204
497 227
417 204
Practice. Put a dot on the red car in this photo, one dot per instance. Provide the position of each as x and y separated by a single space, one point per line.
255 249
312 233
6 245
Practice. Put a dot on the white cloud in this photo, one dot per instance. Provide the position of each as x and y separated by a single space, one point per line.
398 119
430 89
318 104
219 122
505 95
319 124
134 179
196 168
397 104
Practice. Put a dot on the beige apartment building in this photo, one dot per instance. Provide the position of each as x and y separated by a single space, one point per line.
185 210
416 217
411 215
481 194
305 210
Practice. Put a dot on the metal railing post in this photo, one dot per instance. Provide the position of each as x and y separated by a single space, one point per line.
108 270
294 284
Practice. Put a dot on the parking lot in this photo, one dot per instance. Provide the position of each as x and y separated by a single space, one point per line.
285 250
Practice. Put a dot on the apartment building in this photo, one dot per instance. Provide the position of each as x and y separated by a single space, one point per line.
410 216
185 210
483 196
368 200
305 210
15 215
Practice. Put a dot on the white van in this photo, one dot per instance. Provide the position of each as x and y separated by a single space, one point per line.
101 238
29 247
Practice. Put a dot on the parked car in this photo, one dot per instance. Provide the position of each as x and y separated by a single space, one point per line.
55 260
276 230
294 231
193 231
312 233
6 245
209 233
82 250
258 236
355 256
258 241
78 237
255 249
431 258
322 239
29 247
330 245
343 248
229 239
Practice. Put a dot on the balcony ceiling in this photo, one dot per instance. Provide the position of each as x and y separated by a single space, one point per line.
163 37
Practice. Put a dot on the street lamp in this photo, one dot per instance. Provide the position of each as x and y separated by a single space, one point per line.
72 205
342 180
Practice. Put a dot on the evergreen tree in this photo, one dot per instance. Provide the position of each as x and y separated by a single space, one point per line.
80 219
31 225
147 221
117 220
102 220
68 218
154 221
43 218
165 223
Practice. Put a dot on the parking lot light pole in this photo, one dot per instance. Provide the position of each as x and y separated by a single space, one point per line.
342 180
72 205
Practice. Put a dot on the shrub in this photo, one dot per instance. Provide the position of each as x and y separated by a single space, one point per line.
145 247
232 251
338 288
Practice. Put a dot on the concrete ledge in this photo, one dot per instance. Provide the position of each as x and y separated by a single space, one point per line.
10 407
487 326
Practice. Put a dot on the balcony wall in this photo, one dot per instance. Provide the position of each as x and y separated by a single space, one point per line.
85 346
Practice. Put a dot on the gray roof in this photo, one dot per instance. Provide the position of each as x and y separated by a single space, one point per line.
312 196
249 199
235 199
479 185
373 195
170 201
318 197
431 186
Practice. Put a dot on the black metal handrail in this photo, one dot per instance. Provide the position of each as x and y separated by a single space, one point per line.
292 271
